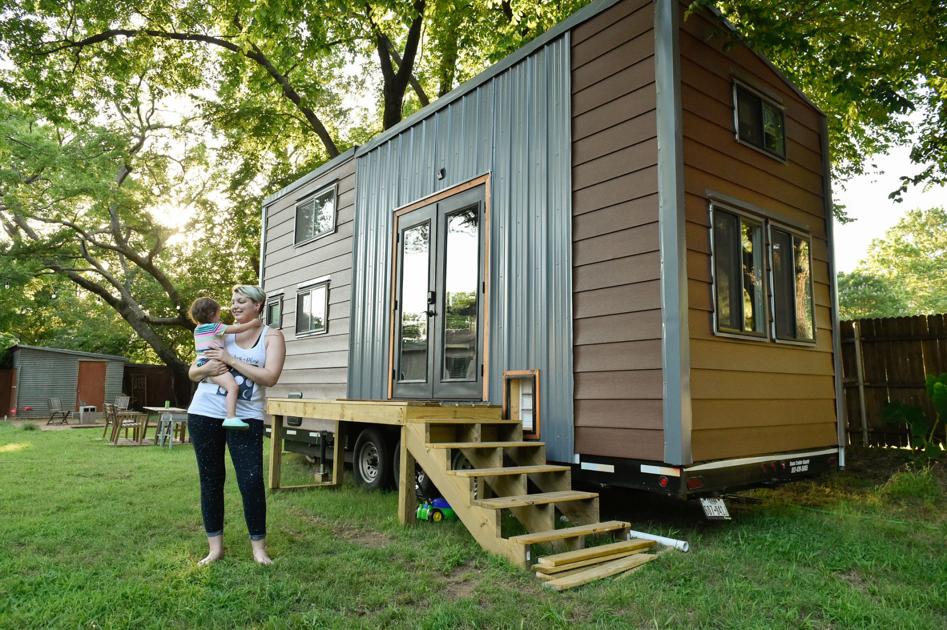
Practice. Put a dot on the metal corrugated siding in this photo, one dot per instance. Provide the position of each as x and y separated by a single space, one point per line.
44 375
516 127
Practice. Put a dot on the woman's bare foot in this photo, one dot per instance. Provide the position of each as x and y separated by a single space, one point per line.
259 552
215 546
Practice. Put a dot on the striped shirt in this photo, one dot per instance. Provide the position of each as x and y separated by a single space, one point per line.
207 336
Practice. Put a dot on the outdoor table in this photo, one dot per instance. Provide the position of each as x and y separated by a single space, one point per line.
168 418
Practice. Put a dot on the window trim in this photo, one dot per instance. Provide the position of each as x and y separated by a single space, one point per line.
334 187
737 83
308 289
718 332
274 299
796 233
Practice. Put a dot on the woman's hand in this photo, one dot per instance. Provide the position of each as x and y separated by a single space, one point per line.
211 368
220 355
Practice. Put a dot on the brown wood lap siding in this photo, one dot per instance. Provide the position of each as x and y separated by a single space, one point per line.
750 397
315 365
616 262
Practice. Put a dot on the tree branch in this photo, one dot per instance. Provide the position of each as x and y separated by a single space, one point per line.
254 54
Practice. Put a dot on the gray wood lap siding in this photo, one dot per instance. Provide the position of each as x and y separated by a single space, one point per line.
616 260
316 365
750 397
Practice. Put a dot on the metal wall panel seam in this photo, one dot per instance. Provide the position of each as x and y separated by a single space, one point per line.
676 338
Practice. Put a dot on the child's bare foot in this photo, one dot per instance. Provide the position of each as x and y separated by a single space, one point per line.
215 546
259 552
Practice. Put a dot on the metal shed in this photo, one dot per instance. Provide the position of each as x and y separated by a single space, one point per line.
70 375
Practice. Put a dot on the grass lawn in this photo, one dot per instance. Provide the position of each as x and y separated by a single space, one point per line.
97 536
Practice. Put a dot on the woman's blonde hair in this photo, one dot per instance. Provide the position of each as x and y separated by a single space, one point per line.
253 292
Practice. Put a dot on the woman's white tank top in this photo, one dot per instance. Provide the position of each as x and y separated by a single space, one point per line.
210 399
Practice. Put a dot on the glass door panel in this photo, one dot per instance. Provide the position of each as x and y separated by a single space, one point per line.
414 313
461 275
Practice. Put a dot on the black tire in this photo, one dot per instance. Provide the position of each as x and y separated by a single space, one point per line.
422 485
372 460
460 462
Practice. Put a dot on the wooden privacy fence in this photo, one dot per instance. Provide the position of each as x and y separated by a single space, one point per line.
887 360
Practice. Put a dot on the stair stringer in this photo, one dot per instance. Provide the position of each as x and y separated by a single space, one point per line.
482 523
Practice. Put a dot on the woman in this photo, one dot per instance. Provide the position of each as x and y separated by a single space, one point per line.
255 357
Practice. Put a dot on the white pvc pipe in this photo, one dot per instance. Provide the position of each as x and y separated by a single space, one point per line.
680 545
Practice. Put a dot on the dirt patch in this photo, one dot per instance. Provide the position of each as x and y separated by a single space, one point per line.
461 582
364 537
854 579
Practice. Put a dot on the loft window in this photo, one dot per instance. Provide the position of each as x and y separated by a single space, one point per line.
312 309
760 122
274 312
791 264
738 273
315 216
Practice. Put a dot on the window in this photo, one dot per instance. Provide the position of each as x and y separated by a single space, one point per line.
791 265
738 273
312 309
315 216
759 121
274 312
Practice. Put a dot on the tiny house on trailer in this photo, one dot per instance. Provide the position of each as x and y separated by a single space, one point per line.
622 233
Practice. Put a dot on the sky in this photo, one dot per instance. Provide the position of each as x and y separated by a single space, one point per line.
866 200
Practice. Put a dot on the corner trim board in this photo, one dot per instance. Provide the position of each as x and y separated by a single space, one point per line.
675 343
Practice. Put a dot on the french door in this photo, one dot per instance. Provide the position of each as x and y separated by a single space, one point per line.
438 307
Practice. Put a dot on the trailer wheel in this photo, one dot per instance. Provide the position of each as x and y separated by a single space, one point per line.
372 460
422 484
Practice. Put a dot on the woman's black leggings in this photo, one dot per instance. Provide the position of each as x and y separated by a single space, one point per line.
246 453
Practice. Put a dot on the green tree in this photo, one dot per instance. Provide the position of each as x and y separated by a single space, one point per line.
904 272
74 201
867 64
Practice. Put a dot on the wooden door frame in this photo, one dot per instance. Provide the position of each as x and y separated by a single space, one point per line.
483 180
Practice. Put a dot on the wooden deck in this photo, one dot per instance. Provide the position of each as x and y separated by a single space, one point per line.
509 475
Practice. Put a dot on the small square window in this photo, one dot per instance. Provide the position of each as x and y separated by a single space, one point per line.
312 309
274 312
738 273
315 216
759 121
791 265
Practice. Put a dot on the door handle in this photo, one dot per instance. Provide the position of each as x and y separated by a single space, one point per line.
431 297
431 312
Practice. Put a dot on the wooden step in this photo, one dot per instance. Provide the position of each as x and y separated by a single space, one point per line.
508 470
600 571
579 555
520 444
570 532
501 503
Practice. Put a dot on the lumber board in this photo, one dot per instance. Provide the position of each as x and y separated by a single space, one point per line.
570 532
508 470
578 555
601 571
500 503
511 444
462 419
581 564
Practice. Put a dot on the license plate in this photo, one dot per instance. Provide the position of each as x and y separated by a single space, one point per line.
715 509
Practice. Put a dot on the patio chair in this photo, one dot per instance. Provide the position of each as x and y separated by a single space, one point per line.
121 402
57 415
120 419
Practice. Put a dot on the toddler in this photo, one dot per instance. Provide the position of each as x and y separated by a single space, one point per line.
209 334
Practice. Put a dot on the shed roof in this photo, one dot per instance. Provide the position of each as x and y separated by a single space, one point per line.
92 355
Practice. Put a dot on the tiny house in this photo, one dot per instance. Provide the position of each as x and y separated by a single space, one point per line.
633 211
